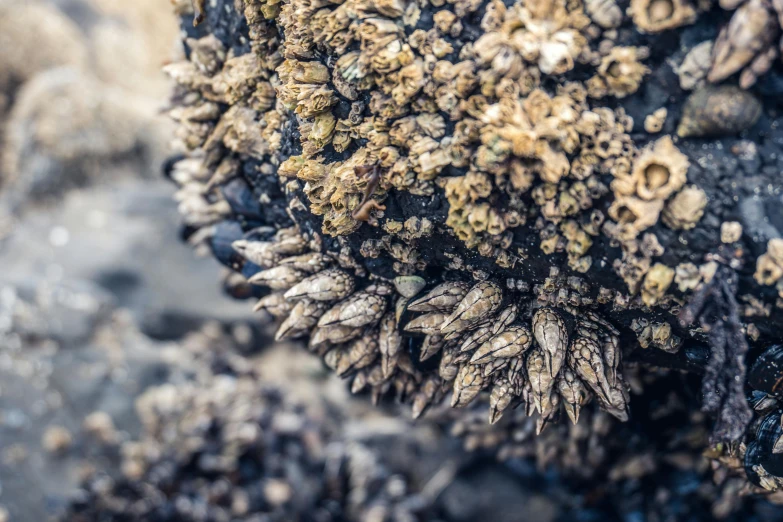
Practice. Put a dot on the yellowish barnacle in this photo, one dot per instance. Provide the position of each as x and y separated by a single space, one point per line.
769 266
730 232
654 16
634 215
653 123
693 70
685 209
659 171
619 74
656 283
605 13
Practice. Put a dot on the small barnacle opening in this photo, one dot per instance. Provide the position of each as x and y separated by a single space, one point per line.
656 176
660 10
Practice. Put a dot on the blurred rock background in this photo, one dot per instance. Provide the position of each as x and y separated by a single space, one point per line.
99 299
94 284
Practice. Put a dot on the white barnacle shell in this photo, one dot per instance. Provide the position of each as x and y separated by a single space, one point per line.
551 335
584 358
312 262
504 318
275 304
499 399
360 354
329 285
258 252
432 344
427 324
573 392
389 343
616 403
442 298
481 301
476 338
360 309
277 278
541 382
467 385
513 341
302 318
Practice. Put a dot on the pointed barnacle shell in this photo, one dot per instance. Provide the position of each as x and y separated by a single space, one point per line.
432 344
275 304
329 285
612 356
277 278
289 242
409 286
499 399
481 301
685 209
584 358
660 170
505 318
448 368
360 354
258 252
718 111
494 366
549 410
476 338
428 390
312 262
467 385
573 392
333 335
551 335
442 298
512 342
616 403
389 343
654 16
752 29
541 382
302 318
515 374
333 357
427 324
360 309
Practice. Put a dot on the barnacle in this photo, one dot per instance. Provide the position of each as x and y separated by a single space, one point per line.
455 199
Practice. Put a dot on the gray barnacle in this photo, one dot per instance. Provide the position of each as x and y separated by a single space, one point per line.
467 385
512 342
389 343
312 262
500 398
442 298
541 381
695 66
481 301
274 304
573 392
428 324
277 278
431 345
303 317
585 359
551 335
330 285
360 309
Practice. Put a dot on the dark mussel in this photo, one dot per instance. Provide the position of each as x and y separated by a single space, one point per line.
766 374
761 451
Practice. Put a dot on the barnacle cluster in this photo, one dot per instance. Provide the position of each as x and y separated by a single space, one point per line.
223 445
494 200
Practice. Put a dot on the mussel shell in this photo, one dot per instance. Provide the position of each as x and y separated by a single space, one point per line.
766 374
241 199
767 434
